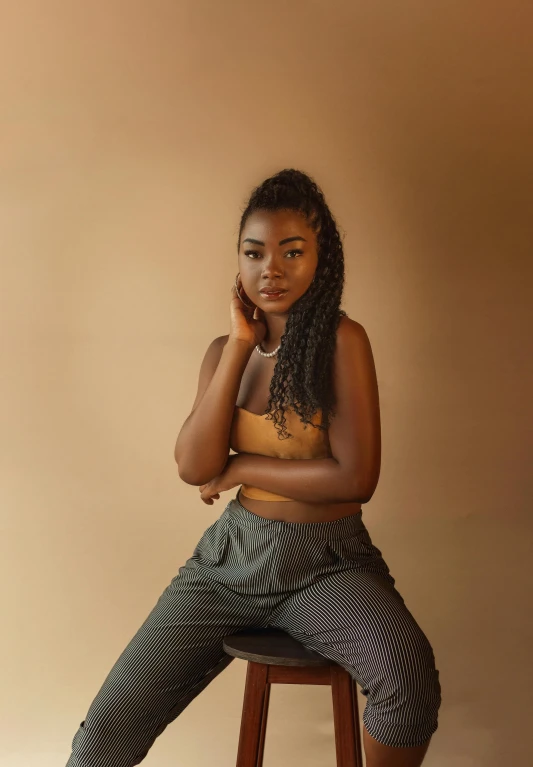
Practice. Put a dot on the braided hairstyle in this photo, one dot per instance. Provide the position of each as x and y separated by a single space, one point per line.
302 378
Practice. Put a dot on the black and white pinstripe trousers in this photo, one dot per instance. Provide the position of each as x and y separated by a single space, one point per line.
324 583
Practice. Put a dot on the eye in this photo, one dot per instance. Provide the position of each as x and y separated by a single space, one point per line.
255 252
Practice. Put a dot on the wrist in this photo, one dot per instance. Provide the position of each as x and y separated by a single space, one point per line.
246 347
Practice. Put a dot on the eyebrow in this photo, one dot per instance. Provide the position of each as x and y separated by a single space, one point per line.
281 242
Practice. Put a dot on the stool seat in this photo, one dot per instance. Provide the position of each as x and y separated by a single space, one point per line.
273 647
275 657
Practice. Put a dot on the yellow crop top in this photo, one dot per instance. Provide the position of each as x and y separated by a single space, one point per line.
252 433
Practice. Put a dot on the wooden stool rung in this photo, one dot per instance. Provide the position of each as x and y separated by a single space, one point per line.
299 675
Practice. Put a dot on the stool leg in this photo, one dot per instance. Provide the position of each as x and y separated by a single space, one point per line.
357 729
346 719
251 738
264 718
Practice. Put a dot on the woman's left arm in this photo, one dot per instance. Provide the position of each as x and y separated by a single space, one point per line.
352 473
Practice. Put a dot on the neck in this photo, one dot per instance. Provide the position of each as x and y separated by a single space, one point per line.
275 328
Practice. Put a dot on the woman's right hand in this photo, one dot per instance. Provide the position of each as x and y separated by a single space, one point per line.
247 323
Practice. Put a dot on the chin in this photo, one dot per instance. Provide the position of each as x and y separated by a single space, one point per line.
276 307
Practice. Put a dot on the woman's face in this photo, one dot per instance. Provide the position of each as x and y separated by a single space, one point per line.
277 250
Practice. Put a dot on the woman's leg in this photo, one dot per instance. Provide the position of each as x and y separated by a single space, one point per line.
379 755
173 656
358 619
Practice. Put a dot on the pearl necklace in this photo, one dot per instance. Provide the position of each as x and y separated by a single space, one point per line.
266 354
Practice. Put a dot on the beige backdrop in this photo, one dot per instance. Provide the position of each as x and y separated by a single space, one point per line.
131 135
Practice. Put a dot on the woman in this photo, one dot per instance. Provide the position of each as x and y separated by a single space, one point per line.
294 379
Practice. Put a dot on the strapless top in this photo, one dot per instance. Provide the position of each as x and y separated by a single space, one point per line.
253 433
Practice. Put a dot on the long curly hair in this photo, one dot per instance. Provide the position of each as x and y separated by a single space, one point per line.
302 379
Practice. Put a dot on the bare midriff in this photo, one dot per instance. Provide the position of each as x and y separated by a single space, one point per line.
299 511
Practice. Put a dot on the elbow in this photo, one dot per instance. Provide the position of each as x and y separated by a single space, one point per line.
362 488
198 473
186 473
363 496
191 475
360 495
188 477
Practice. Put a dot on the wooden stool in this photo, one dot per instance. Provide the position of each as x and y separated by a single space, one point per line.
275 657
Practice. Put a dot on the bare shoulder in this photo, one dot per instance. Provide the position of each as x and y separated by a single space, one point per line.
350 333
222 340
353 351
209 365
216 346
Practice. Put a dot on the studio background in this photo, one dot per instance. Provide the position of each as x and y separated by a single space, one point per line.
131 136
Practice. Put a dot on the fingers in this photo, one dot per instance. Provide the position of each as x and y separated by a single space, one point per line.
240 293
208 497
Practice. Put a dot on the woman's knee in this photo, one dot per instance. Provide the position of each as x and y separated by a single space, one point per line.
405 696
113 732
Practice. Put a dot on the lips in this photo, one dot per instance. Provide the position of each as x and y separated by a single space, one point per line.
271 291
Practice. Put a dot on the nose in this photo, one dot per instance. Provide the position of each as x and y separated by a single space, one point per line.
272 267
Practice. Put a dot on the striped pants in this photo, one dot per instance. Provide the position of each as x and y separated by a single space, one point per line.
324 583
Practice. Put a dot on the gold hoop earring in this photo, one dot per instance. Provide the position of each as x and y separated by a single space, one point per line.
239 293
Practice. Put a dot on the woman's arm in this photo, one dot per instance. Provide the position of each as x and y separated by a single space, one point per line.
312 480
354 434
202 447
